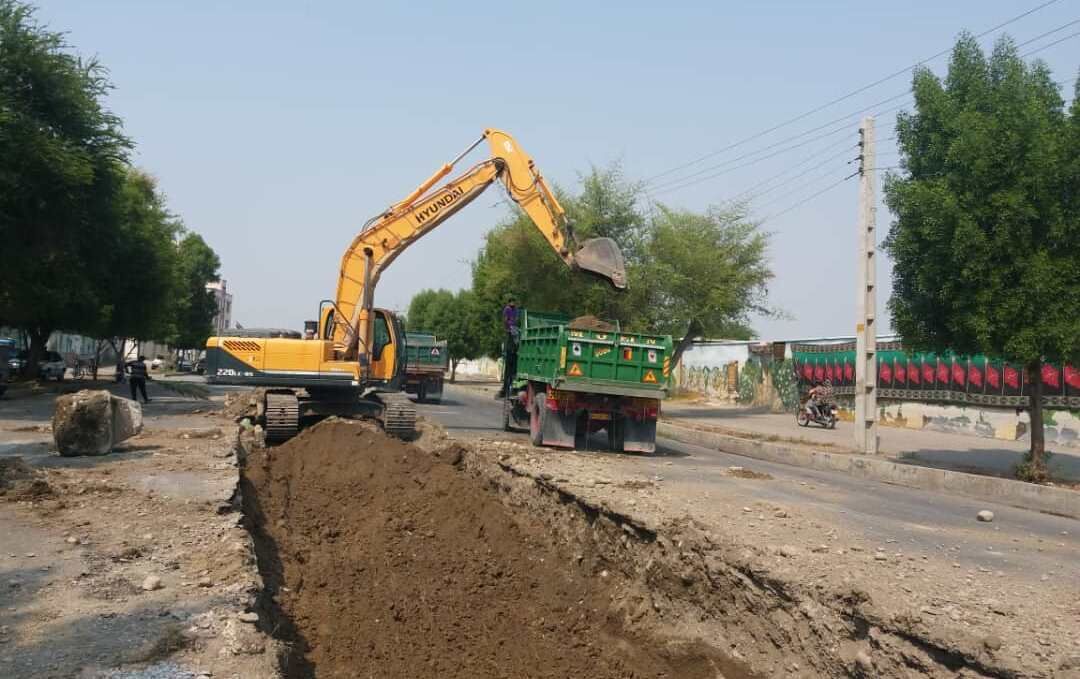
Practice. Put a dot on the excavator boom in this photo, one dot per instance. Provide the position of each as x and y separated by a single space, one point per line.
385 237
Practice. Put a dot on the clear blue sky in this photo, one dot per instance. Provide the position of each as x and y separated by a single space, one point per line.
276 129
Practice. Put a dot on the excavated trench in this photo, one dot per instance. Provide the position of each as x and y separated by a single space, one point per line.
380 559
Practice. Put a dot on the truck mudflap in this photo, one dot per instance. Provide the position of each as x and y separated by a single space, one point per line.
639 436
559 429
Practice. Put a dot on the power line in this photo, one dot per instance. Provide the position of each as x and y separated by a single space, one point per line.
801 134
675 184
787 182
806 200
665 185
1049 45
1050 32
749 190
831 174
845 97
682 183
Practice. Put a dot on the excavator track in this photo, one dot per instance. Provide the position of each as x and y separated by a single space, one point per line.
282 417
399 418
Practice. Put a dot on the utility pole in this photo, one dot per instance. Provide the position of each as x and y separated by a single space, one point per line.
866 437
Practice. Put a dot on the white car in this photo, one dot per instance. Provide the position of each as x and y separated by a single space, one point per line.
52 367
157 363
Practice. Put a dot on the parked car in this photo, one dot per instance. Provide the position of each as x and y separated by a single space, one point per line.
53 366
200 366
184 365
157 363
7 346
17 363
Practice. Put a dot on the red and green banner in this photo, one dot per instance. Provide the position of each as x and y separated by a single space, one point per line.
932 377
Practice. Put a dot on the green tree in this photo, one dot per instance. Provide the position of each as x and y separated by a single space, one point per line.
516 261
681 265
193 305
61 168
711 267
986 236
144 276
452 317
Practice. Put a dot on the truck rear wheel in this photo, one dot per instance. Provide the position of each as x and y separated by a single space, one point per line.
537 419
616 435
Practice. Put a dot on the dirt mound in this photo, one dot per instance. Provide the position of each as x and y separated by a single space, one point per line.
592 323
19 480
383 560
241 404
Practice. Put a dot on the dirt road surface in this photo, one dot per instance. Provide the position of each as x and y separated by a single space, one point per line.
131 565
474 554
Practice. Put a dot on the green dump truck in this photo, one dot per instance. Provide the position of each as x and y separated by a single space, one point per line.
426 361
575 377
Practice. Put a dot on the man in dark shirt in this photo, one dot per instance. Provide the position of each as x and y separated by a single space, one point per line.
510 324
138 374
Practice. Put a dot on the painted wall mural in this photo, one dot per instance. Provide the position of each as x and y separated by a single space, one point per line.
934 378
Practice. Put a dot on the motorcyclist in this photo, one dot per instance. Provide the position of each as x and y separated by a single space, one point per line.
819 395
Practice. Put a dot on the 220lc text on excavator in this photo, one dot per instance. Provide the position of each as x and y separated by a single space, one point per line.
351 361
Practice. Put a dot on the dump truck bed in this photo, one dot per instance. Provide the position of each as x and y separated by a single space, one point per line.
425 353
569 357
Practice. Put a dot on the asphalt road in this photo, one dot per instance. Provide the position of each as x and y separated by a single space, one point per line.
1022 543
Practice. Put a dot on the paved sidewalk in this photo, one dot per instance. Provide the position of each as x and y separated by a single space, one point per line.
957 452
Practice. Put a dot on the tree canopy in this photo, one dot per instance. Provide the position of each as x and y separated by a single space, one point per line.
195 306
62 158
89 245
681 265
986 236
449 316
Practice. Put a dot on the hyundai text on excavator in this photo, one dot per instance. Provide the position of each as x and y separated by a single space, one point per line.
351 362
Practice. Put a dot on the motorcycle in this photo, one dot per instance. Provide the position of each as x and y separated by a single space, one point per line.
825 415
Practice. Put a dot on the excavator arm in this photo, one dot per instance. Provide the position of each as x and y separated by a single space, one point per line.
386 236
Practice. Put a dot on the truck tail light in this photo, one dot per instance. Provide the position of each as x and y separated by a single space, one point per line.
651 412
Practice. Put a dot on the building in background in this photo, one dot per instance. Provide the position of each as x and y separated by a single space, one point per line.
223 319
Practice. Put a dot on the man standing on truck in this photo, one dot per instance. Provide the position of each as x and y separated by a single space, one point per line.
510 325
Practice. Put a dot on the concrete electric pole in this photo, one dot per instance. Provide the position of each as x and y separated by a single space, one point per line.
866 437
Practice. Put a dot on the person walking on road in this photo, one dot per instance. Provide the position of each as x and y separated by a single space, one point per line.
138 374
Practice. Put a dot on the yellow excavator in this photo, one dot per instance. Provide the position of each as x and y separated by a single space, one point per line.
351 361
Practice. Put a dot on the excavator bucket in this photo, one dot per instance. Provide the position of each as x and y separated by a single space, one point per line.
601 257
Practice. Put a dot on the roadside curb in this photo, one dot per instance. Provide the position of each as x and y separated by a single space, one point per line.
992 489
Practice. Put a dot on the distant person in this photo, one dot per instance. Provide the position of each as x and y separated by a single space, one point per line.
820 394
138 373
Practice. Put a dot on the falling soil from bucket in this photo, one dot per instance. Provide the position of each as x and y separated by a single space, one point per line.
382 560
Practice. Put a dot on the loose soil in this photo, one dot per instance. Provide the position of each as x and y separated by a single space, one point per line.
383 560
591 323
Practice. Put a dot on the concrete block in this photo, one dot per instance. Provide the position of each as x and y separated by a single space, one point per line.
127 419
83 423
